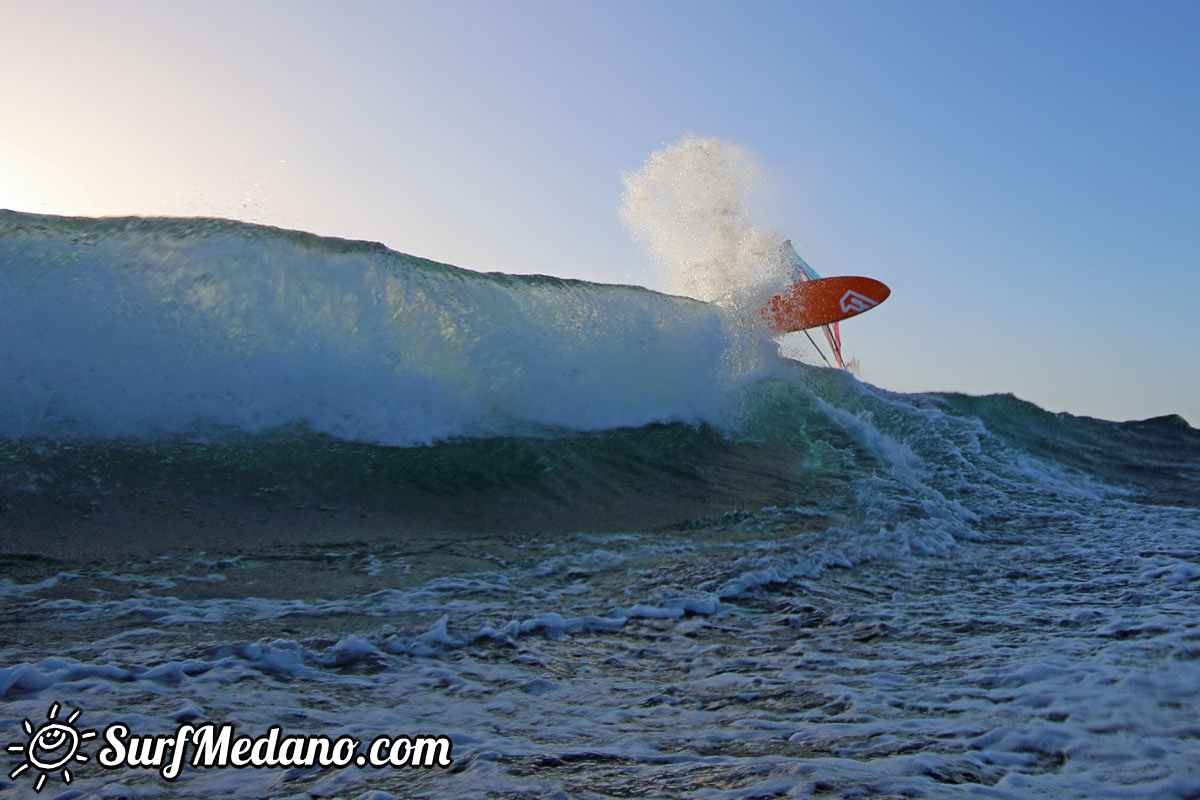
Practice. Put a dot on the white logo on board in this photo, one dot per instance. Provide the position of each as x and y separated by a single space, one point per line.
853 301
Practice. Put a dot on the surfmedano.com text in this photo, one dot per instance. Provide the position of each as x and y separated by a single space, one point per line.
216 746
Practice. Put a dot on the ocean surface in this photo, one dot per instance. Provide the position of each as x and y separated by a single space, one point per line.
607 541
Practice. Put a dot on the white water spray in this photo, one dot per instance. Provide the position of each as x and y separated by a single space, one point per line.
690 204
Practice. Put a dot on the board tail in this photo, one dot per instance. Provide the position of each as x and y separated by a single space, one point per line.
801 271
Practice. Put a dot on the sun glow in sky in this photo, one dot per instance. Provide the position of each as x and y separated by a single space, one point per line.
1023 174
26 185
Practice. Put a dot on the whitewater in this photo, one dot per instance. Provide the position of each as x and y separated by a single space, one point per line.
608 541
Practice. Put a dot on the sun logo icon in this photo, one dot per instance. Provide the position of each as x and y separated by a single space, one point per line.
52 746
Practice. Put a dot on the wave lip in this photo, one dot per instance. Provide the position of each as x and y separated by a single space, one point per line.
141 327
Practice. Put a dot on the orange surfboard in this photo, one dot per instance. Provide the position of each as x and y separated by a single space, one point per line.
822 301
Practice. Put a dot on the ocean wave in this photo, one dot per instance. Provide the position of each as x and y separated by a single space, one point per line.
145 327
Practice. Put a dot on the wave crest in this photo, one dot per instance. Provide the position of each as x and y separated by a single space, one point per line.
139 327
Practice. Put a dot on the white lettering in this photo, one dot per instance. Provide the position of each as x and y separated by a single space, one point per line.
146 751
262 754
442 745
112 755
218 746
343 751
211 749
171 771
240 756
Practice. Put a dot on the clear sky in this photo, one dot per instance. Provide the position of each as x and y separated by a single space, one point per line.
1025 175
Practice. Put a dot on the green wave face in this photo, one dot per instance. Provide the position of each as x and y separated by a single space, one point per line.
208 367
143 328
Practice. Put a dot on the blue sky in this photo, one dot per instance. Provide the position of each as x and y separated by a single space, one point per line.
1025 175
